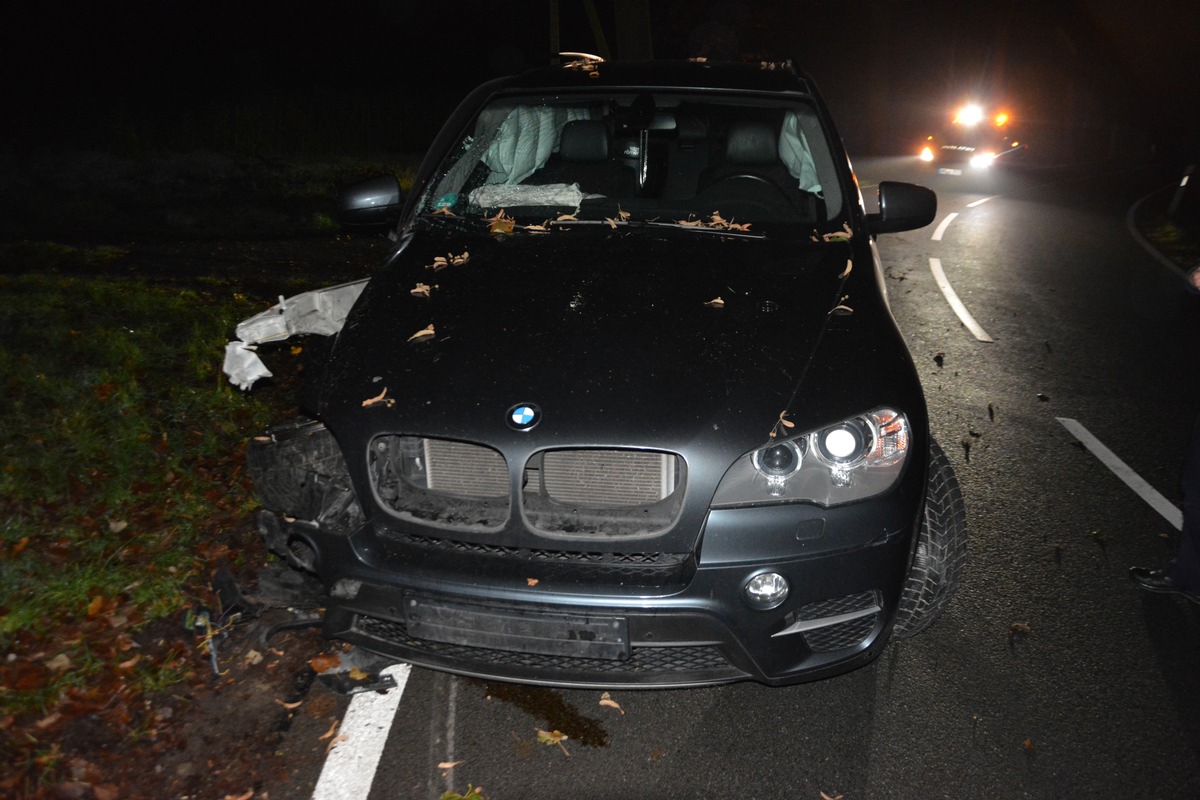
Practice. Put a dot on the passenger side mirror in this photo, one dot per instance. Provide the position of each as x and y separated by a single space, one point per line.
902 207
371 204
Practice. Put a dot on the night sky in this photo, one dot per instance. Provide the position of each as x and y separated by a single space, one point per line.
1116 69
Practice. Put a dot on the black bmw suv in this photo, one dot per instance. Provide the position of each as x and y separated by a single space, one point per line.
626 406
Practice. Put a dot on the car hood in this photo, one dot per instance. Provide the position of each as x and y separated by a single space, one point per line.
638 338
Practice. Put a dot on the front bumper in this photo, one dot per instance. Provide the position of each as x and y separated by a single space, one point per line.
472 613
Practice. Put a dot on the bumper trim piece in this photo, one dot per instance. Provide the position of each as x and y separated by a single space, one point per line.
572 635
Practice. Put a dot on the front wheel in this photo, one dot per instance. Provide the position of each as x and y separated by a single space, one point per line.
941 551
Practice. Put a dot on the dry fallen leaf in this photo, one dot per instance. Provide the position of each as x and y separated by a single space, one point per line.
425 333
846 271
289 706
324 662
827 797
450 764
60 663
379 399
716 302
329 733
336 741
501 223
245 796
607 701
845 234
421 290
841 310
1019 627
357 674
531 581
553 737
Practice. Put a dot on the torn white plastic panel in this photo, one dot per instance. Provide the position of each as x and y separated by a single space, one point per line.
321 311
243 366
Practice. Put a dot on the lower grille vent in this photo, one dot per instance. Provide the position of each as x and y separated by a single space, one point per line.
673 661
662 571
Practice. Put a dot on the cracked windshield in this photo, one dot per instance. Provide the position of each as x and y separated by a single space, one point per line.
530 163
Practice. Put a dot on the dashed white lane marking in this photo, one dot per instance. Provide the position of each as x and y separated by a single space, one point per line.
935 265
350 767
937 234
1162 505
980 202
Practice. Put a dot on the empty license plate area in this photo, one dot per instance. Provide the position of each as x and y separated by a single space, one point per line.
544 632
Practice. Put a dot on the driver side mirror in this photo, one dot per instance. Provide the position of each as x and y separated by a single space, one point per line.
902 207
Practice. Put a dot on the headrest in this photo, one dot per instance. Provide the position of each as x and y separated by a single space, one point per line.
584 140
752 143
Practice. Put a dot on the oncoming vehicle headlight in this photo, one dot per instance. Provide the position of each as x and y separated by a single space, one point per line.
926 153
855 459
982 160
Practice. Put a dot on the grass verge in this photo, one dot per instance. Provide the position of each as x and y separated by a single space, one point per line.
121 486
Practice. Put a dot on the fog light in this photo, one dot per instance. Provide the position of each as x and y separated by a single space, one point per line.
767 590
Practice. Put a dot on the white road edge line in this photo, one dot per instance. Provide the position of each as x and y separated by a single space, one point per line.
1162 505
937 234
935 265
350 767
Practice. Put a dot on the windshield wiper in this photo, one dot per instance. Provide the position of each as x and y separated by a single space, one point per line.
696 226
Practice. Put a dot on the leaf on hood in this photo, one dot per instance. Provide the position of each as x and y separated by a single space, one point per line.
425 333
782 425
846 271
421 290
501 224
716 302
449 260
379 399
552 738
566 218
841 310
844 235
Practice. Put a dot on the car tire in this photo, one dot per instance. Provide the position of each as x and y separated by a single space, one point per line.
941 551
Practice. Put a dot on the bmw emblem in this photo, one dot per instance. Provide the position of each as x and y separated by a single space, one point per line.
524 416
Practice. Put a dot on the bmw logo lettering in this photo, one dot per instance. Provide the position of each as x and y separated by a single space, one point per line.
524 416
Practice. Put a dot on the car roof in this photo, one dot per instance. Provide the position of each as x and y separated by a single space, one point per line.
587 72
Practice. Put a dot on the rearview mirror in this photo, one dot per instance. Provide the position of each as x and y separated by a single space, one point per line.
902 207
373 203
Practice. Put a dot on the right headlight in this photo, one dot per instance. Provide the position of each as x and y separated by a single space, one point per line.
857 458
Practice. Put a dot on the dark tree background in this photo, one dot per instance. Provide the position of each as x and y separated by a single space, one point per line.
1093 78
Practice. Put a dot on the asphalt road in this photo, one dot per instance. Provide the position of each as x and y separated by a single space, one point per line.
1049 676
